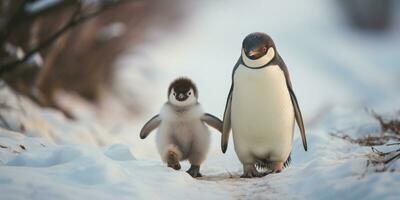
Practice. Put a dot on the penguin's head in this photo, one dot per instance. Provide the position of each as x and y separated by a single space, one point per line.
258 49
182 92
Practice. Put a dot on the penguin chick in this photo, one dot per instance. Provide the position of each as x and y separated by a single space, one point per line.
182 133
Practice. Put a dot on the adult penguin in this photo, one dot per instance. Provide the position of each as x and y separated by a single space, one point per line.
261 108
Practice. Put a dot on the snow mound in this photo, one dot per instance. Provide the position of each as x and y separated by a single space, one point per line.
119 152
80 171
45 158
23 116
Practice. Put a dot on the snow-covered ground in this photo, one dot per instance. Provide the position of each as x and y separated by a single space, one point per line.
336 73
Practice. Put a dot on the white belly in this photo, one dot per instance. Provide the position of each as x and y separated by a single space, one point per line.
262 113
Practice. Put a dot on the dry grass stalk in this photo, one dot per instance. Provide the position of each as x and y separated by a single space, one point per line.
391 126
369 140
380 161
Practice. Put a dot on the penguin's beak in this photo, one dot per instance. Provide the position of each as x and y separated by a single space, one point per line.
181 97
252 53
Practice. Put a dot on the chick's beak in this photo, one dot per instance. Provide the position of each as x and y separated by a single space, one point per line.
181 97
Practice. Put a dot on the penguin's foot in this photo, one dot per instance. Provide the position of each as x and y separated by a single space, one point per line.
172 160
194 171
278 167
250 171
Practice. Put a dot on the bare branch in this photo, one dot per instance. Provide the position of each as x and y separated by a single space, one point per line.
76 19
17 16
21 16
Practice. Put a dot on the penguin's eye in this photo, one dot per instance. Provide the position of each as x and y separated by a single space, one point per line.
174 94
189 93
264 49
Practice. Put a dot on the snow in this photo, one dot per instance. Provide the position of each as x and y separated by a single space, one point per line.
78 172
111 31
38 6
336 73
14 50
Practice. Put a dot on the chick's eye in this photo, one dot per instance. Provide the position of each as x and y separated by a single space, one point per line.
174 94
189 93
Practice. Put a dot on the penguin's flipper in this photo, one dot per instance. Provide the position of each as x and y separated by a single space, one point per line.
152 124
297 112
212 121
299 117
226 128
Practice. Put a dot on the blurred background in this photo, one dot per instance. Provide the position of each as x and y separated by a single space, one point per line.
117 57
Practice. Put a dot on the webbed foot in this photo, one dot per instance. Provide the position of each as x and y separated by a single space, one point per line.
250 171
278 167
194 171
172 160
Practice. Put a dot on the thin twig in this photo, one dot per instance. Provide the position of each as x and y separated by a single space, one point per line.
4 122
4 107
21 16
20 13
369 140
392 126
391 144
392 158
74 21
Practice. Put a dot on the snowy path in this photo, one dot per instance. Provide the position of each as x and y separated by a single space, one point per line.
334 76
330 65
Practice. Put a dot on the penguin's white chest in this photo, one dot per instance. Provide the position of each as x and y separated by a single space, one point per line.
262 113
